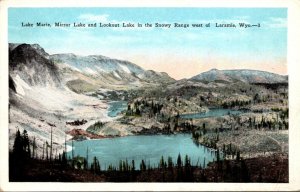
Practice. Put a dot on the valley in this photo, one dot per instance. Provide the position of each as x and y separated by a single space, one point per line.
64 99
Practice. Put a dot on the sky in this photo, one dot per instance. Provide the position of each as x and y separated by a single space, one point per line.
181 52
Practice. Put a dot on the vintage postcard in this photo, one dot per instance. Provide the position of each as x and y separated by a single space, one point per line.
149 96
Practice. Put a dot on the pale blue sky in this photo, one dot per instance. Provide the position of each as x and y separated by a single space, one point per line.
190 50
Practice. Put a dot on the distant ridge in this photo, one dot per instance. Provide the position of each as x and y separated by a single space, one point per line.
104 67
244 75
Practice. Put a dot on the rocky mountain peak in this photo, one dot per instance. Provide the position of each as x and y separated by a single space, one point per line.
31 63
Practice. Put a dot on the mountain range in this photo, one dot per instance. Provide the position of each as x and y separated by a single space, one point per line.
88 73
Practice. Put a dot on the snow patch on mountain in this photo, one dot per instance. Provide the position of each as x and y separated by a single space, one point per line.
96 63
20 85
141 76
99 69
89 71
66 65
117 75
124 68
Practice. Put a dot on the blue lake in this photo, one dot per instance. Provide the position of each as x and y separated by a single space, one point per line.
116 107
138 148
149 148
215 112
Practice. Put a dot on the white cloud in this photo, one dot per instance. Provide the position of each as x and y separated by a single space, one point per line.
245 17
276 22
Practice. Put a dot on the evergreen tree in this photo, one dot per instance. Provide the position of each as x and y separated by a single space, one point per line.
72 149
238 155
137 111
26 143
64 159
218 155
20 155
66 143
120 165
51 145
47 150
86 165
179 162
143 166
132 165
18 144
170 163
33 148
187 161
43 151
126 165
95 166
162 162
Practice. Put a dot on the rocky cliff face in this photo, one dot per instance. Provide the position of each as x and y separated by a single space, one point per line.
30 63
